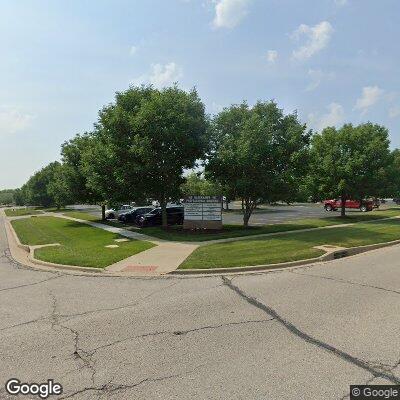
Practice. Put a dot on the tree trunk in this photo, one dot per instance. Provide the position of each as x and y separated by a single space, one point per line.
163 205
343 206
247 208
226 204
246 217
103 212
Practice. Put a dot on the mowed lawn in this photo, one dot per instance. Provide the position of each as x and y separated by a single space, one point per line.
176 232
290 246
81 245
19 212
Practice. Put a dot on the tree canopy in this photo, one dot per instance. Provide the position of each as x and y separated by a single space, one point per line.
144 141
350 162
259 153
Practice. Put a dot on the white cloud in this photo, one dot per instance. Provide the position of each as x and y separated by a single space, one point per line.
12 120
370 96
341 2
160 75
272 56
394 112
317 77
318 37
334 117
133 50
229 13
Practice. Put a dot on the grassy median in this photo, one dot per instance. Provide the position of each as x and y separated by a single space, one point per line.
290 246
81 245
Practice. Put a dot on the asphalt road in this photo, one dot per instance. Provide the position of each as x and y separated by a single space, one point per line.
306 334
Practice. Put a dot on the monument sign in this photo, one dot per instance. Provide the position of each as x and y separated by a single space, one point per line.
203 212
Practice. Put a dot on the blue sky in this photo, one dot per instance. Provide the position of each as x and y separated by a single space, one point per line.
333 61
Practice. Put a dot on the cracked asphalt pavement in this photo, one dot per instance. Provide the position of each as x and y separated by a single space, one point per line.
307 333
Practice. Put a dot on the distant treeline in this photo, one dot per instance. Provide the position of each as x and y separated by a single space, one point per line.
7 196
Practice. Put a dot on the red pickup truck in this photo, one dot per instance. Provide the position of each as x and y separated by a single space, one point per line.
334 205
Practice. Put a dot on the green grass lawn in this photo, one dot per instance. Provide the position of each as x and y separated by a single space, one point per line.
19 212
81 245
80 215
176 233
291 246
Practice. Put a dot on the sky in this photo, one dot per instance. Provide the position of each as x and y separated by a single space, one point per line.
332 61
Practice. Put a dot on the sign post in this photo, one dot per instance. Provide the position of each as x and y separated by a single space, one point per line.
203 212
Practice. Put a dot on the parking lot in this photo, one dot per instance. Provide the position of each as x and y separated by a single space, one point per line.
264 214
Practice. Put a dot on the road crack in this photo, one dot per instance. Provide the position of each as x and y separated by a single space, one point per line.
109 388
176 333
32 321
30 284
308 338
348 282
68 317
79 354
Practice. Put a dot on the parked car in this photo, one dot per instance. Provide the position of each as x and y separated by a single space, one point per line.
134 213
156 203
376 202
334 205
112 213
175 216
397 201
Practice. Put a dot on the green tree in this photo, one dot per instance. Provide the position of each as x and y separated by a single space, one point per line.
196 184
58 188
7 196
20 196
258 153
350 162
76 156
36 189
144 141
390 181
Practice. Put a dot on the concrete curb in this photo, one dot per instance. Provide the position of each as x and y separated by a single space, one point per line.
16 238
31 255
329 256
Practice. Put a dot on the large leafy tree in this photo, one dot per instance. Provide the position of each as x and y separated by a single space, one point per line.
350 163
144 141
7 196
258 153
36 189
58 188
197 184
390 177
75 154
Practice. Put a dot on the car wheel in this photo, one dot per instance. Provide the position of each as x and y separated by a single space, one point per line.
363 208
111 216
328 207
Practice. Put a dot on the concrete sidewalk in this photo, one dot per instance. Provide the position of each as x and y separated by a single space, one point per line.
165 257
